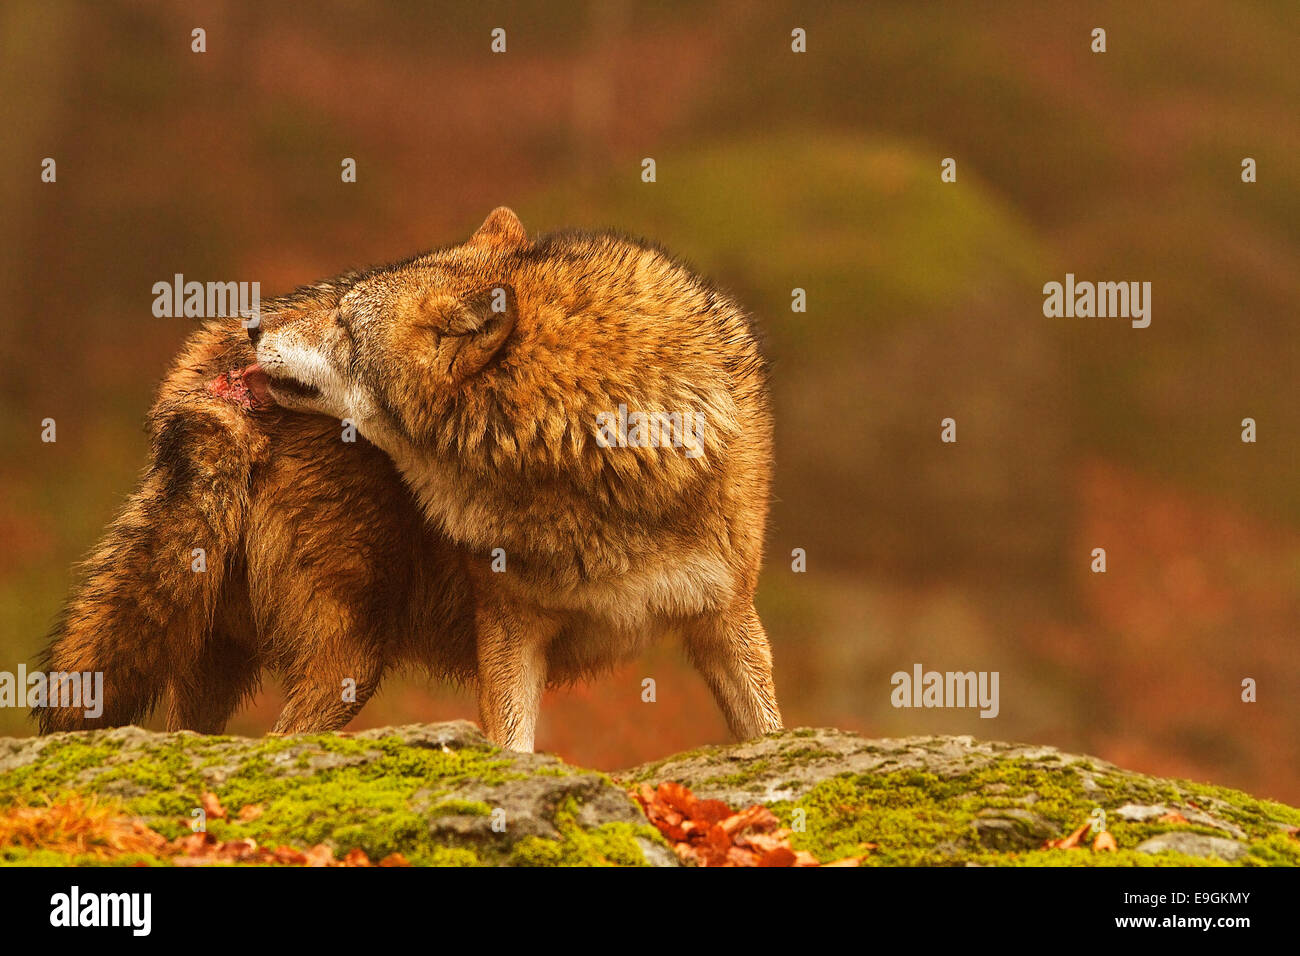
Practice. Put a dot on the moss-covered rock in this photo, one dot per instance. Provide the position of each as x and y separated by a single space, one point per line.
439 794
952 801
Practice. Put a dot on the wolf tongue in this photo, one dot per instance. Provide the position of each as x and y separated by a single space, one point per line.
258 384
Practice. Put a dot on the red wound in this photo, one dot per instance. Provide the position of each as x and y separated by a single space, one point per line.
244 387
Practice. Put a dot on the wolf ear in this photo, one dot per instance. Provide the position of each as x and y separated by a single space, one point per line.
470 330
501 230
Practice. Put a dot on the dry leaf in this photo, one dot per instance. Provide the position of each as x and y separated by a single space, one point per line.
320 855
1104 842
708 833
212 807
1070 842
777 856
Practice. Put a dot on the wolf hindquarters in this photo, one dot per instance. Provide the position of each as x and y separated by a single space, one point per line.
257 540
143 614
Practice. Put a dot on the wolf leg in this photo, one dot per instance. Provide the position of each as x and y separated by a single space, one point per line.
204 696
732 655
511 673
335 677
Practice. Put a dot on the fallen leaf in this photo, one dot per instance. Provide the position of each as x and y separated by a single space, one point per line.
708 833
777 856
1070 842
212 806
289 856
1104 842
320 855
676 796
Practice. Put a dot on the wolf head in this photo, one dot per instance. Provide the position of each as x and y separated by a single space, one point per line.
400 340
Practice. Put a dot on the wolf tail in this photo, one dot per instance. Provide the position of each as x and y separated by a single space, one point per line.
143 613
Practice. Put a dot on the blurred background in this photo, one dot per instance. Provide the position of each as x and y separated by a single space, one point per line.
775 170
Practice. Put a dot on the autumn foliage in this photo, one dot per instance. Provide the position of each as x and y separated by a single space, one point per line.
710 833
80 828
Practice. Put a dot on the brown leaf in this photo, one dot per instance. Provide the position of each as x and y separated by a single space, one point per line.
356 857
1104 842
288 855
777 856
675 795
762 842
250 811
394 859
236 849
1070 842
212 806
757 816
320 855
1173 817
674 834
688 854
711 811
708 833
718 838
196 844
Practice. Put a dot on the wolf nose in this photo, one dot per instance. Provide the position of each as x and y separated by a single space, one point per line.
254 333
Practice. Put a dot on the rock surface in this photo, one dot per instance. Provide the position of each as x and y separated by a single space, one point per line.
439 794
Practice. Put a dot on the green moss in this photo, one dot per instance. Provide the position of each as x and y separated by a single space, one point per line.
19 856
741 778
379 795
462 808
389 795
60 762
610 844
919 819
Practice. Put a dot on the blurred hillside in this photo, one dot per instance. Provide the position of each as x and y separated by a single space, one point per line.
775 171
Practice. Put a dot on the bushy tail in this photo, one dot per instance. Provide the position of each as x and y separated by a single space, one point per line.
144 611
